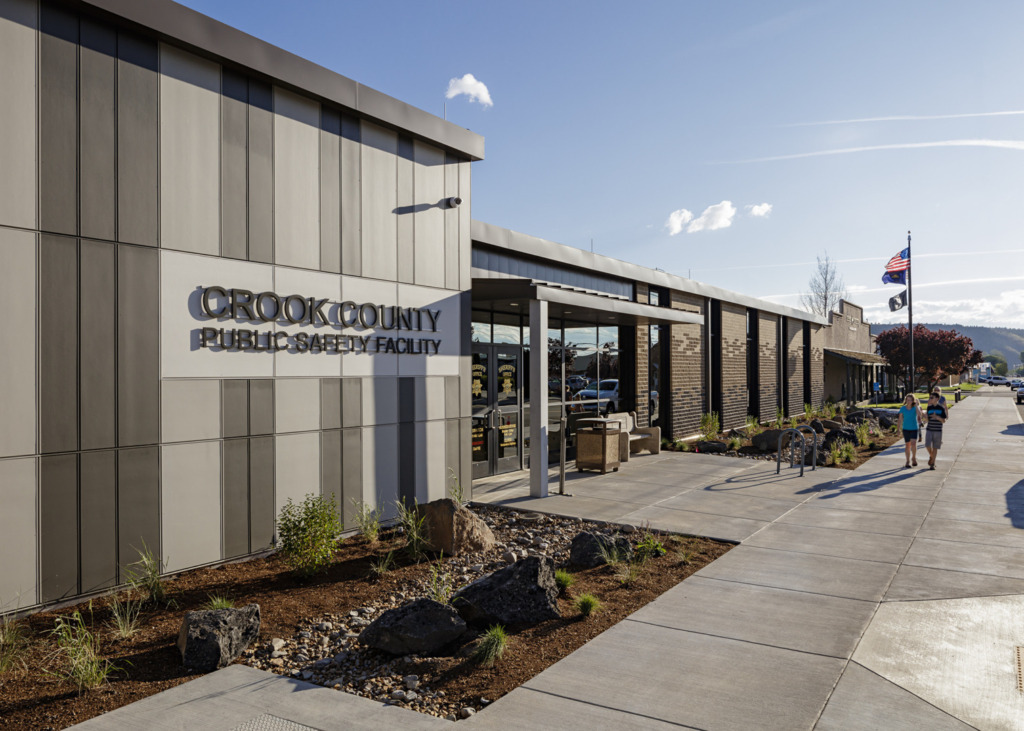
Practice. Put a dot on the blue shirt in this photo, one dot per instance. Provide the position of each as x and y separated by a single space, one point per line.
909 418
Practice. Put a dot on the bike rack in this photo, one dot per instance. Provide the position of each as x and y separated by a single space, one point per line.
792 449
814 445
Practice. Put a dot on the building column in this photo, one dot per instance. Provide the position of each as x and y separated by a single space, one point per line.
538 398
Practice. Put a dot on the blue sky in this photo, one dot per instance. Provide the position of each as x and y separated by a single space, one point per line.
608 117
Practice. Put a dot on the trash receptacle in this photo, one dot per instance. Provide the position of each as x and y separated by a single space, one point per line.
956 396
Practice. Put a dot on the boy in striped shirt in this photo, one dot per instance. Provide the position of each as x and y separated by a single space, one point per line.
936 414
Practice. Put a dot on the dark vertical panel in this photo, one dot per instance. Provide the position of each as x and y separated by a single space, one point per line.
99 519
138 346
261 172
407 399
351 197
236 497
58 526
138 504
98 413
451 452
330 403
406 206
58 344
351 402
261 407
330 190
236 407
137 140
465 452
58 121
451 224
352 473
261 493
407 467
330 468
98 132
234 121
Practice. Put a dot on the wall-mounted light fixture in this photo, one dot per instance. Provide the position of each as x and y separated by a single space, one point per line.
453 202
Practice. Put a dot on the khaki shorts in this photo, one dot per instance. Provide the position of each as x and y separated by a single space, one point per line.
933 439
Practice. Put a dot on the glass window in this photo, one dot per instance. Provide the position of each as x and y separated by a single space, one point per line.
654 297
506 329
481 327
478 385
580 336
608 337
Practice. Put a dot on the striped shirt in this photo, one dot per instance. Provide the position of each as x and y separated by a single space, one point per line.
936 413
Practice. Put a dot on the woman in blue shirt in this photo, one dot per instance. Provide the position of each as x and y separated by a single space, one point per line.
910 422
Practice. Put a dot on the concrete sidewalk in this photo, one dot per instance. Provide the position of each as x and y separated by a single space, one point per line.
878 598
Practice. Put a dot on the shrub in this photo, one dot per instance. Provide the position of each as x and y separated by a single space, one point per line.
834 453
753 426
12 642
144 575
564 579
710 426
383 564
491 646
308 533
848 452
863 431
829 410
627 572
455 491
124 614
81 650
610 552
684 446
780 419
841 409
810 412
734 443
413 525
587 604
440 586
649 546
219 602
367 521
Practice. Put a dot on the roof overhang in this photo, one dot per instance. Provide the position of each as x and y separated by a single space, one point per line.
856 358
515 295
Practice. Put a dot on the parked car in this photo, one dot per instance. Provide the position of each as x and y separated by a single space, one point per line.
1020 395
576 383
999 381
1016 383
606 393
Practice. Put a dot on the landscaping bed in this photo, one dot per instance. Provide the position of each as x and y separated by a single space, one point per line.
316 624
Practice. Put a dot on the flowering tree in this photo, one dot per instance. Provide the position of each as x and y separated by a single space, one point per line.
937 353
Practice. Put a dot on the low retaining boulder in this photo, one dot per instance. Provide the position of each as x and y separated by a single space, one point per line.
711 447
522 593
420 627
453 529
213 638
831 424
588 550
768 440
839 436
818 427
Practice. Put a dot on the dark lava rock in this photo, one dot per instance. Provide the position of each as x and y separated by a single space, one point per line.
711 447
588 550
818 427
768 440
522 593
420 627
214 638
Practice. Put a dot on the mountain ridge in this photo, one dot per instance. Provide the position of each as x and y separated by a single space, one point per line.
1007 340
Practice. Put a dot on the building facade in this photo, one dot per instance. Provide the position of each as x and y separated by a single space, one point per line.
851 367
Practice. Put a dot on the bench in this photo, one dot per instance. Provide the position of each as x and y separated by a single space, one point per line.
634 439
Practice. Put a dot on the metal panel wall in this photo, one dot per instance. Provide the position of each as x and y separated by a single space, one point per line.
58 120
331 469
330 190
190 410
58 356
138 347
19 22
98 519
98 412
380 199
235 399
234 122
190 504
18 534
189 152
18 364
430 215
452 241
138 101
406 210
261 407
261 172
138 504
236 498
296 180
330 403
262 502
352 474
297 468
58 526
351 197
98 130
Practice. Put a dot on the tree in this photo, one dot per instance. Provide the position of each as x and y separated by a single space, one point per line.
827 288
998 361
937 353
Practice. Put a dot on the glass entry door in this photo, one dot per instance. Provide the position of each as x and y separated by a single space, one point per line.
497 393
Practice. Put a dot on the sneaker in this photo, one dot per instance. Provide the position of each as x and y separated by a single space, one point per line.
931 467
915 463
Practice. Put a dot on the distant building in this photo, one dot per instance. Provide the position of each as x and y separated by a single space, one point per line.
851 365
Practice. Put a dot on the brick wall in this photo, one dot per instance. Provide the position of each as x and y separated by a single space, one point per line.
817 365
686 368
768 358
733 339
795 366
642 373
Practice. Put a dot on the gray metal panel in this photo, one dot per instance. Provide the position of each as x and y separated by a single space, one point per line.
406 209
330 190
261 493
98 413
465 464
296 180
261 407
351 197
351 402
407 464
58 526
352 473
138 346
58 356
19 532
98 132
261 172
451 224
330 470
137 140
99 519
452 396
451 453
19 303
430 215
234 124
465 242
58 121
330 403
19 190
235 396
138 504
236 498
380 199
408 391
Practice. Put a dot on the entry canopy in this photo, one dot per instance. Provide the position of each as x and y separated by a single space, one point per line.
514 296
856 358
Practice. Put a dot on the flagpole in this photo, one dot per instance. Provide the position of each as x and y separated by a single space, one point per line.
910 316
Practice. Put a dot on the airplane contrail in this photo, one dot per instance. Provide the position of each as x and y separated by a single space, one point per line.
998 144
906 118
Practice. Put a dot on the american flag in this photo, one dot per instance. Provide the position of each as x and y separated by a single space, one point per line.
900 262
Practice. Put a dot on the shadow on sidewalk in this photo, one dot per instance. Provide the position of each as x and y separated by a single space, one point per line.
858 485
1015 505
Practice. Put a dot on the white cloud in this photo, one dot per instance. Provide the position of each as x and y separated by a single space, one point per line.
1005 309
761 210
997 144
469 85
713 218
676 221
